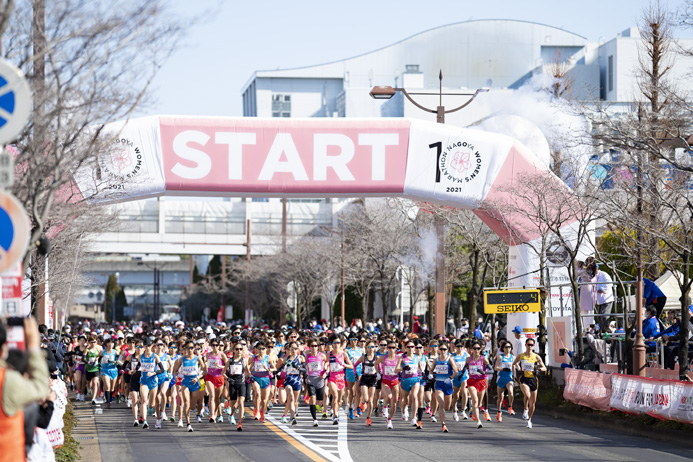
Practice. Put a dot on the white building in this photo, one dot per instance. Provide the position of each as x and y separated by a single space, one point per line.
496 54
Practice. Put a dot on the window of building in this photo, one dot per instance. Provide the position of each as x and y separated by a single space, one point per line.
611 73
281 105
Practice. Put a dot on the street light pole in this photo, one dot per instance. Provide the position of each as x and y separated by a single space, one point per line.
440 111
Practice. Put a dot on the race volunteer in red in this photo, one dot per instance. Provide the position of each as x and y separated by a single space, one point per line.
17 391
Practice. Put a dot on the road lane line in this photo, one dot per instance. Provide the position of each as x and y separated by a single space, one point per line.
292 441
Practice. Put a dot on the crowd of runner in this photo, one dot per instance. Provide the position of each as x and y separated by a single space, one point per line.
182 375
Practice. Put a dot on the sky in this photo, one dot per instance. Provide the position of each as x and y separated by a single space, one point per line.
219 54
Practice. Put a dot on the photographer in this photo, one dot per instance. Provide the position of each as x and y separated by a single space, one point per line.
17 391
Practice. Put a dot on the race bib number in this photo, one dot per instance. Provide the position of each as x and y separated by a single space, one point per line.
259 367
213 363
236 369
148 367
79 359
527 366
189 370
369 370
441 369
390 370
336 367
314 367
476 370
413 368
290 370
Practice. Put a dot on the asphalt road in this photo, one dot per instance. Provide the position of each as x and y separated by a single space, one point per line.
549 440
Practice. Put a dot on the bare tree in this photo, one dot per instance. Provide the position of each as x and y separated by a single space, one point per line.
88 63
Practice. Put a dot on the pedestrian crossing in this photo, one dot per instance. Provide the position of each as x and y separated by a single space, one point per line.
327 440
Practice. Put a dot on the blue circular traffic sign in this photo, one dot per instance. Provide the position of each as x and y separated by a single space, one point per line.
14 231
15 101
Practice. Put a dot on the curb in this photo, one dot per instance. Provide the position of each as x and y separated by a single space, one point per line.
631 428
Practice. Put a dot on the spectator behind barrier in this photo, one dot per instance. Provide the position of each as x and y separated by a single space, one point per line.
16 391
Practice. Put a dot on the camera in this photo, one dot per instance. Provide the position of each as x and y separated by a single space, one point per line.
562 351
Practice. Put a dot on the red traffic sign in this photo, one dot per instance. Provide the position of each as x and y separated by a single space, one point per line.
14 231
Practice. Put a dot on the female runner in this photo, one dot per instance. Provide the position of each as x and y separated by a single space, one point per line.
368 378
109 371
410 365
192 368
315 377
214 380
390 383
294 365
476 384
91 368
336 383
262 367
236 372
504 367
530 364
445 368
459 384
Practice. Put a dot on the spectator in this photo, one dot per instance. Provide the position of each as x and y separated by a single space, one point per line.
416 328
518 342
650 327
605 294
478 331
672 335
16 391
653 295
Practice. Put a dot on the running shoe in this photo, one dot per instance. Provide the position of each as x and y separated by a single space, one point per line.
335 421
293 421
418 425
233 420
136 423
129 402
262 417
405 416
199 419
108 405
455 417
499 418
269 407
351 413
413 422
145 425
315 423
163 416
445 429
324 415
473 417
389 424
190 428
511 411
172 419
433 419
479 424
529 423
525 414
180 423
487 416
157 425
212 420
306 399
368 421
240 427
220 419
386 412
140 420
428 410
206 410
359 411
464 415
93 402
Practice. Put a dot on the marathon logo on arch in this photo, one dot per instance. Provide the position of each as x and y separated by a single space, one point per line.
129 168
460 162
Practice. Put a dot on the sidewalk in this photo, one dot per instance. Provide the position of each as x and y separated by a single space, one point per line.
85 432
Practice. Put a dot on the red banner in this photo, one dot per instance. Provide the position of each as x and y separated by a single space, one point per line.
587 388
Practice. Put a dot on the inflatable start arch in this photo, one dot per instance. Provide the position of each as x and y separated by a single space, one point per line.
248 157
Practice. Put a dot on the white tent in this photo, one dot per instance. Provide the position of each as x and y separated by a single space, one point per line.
667 282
